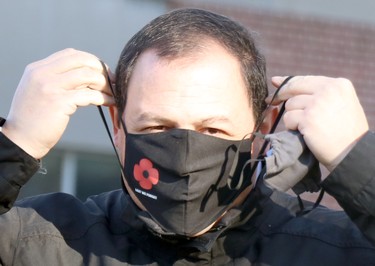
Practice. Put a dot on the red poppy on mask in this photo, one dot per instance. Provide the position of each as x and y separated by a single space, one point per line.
146 174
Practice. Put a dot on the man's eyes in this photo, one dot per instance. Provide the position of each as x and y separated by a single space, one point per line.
156 129
162 128
212 131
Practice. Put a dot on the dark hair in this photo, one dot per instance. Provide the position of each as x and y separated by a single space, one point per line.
180 32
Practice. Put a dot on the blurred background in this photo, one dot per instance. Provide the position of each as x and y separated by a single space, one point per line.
334 38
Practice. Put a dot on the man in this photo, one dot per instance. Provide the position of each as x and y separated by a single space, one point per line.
189 96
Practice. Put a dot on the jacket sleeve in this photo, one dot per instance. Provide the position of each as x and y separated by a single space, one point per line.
16 168
352 183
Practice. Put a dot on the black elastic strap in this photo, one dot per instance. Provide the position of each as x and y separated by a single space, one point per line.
2 121
256 133
231 180
274 126
304 210
105 121
279 115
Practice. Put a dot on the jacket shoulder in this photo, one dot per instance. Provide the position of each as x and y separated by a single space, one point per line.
321 224
66 216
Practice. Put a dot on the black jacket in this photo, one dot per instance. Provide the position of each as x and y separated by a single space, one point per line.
108 229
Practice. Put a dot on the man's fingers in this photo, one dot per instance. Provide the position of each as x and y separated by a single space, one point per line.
109 76
85 97
66 53
67 60
71 70
298 102
295 86
53 57
84 77
292 119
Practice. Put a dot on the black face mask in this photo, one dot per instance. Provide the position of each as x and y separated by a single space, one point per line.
185 179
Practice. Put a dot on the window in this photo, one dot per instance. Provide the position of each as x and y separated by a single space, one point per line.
78 173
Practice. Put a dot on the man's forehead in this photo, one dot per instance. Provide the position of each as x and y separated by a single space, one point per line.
209 80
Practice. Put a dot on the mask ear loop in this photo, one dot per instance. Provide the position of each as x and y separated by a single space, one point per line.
233 168
256 133
279 116
275 124
105 121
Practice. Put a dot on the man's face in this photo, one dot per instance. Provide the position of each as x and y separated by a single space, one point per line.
204 92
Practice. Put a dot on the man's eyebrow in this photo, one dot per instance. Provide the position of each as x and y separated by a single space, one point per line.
150 117
215 119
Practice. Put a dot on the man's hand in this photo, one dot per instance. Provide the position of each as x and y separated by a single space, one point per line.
326 111
49 92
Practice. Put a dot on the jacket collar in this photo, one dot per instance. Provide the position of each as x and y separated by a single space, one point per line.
234 218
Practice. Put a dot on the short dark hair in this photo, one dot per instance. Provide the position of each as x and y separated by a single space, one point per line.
180 32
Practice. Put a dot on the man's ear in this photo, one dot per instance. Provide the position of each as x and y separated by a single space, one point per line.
269 119
117 127
113 111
